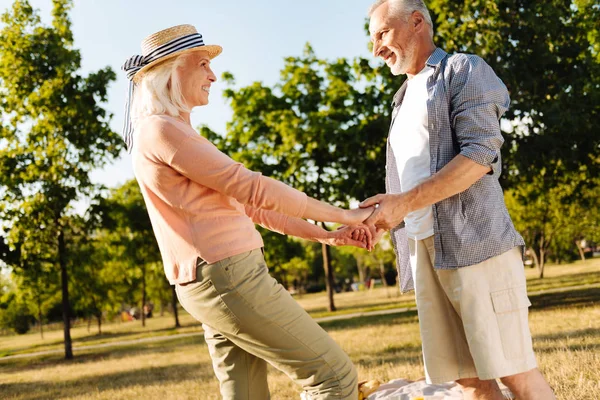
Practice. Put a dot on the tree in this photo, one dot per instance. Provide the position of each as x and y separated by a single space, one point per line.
548 55
319 130
54 133
124 217
40 287
380 259
279 251
551 219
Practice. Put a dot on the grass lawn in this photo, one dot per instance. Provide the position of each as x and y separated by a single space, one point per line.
565 326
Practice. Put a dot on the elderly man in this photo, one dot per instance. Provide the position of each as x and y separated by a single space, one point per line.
455 242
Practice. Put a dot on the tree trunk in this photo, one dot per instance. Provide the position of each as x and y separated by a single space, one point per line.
41 325
580 250
382 275
174 304
99 318
329 280
361 270
542 261
143 295
65 294
40 317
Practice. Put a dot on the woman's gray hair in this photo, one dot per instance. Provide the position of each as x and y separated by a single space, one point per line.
157 93
403 9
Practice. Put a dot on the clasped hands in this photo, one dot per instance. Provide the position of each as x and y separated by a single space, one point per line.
364 226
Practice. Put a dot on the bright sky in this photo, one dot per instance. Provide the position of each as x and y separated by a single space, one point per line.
255 36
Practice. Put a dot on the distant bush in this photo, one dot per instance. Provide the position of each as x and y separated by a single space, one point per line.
16 317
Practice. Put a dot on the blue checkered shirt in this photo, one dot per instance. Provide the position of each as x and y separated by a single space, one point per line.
466 101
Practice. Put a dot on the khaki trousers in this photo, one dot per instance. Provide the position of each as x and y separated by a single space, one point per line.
251 320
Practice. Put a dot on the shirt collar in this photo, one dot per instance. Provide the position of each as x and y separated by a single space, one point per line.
436 57
434 61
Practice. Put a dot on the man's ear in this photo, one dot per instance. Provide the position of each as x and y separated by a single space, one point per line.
417 20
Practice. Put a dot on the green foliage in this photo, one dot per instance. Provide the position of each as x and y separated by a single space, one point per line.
14 313
125 246
54 133
320 129
16 318
547 53
552 220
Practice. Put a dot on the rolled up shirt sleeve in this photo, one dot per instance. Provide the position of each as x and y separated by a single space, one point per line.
479 100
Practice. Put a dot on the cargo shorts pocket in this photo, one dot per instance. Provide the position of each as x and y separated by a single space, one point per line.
510 307
206 304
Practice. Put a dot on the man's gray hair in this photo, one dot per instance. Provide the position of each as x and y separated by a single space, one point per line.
403 9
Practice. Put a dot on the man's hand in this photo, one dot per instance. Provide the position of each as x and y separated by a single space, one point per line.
390 212
356 216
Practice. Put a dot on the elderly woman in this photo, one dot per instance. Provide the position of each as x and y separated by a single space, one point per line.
203 207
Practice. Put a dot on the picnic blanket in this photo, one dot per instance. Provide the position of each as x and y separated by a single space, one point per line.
402 389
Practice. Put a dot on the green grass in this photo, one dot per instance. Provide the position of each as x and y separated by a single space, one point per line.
566 340
557 276
565 327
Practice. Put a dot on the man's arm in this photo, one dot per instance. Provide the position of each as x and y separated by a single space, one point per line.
457 176
478 100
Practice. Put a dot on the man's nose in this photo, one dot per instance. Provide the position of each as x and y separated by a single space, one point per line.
379 50
376 48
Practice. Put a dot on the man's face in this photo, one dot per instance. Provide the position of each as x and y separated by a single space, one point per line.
393 40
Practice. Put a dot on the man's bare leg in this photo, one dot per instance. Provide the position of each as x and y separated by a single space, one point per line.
475 389
529 385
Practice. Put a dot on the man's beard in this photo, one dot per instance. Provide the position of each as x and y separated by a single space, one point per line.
404 61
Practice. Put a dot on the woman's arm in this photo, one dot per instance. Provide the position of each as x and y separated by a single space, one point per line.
321 211
359 236
199 160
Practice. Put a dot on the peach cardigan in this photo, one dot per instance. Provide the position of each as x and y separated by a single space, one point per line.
202 203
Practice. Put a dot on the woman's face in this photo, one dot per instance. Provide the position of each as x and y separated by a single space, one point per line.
195 78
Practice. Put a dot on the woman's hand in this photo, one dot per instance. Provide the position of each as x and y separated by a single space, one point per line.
356 235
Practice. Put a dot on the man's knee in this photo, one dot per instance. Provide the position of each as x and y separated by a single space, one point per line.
471 382
521 379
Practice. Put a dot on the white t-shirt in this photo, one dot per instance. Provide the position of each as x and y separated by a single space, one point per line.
409 139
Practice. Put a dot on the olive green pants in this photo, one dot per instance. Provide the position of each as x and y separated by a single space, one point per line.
251 320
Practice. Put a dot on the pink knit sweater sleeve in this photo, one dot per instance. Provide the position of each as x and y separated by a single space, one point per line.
199 160
277 222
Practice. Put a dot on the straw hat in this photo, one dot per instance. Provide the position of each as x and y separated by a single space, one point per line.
168 43
158 48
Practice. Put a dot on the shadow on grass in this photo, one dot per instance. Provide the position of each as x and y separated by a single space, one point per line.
581 278
409 353
586 340
322 311
573 334
571 298
94 337
174 373
389 319
572 348
123 335
94 355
